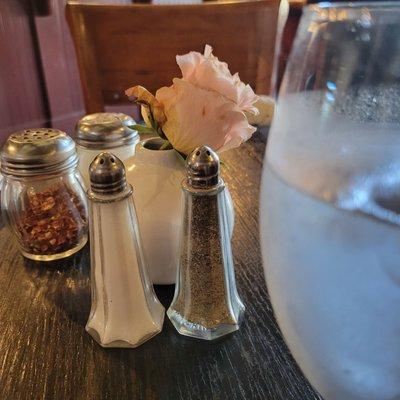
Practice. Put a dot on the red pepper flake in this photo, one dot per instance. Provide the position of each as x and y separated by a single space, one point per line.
54 221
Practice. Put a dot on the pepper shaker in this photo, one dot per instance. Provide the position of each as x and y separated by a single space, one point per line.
206 304
125 311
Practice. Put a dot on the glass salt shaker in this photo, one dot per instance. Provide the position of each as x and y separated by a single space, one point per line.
99 132
43 200
125 310
206 304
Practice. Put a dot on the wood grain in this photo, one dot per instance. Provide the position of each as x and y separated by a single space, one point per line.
45 352
119 46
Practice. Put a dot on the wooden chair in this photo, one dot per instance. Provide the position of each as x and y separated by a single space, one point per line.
119 46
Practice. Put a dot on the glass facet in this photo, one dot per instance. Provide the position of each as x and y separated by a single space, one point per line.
206 304
125 310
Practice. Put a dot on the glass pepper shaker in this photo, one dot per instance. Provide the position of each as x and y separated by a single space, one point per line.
125 310
206 304
106 131
43 200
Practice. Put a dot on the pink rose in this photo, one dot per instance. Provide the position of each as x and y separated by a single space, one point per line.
208 72
197 116
206 106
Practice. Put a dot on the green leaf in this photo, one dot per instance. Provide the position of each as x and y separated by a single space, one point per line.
166 145
143 129
153 122
161 134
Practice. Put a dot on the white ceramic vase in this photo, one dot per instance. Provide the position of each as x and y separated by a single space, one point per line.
156 177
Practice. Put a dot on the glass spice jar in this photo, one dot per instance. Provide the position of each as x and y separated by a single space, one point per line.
206 303
95 133
43 199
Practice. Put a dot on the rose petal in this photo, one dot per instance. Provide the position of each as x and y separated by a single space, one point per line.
142 95
196 116
207 72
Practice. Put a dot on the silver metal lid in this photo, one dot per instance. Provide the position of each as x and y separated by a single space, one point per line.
105 131
107 177
41 151
202 168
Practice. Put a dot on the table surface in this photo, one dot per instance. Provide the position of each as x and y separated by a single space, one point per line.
45 352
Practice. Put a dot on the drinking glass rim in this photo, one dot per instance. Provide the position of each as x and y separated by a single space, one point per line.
356 8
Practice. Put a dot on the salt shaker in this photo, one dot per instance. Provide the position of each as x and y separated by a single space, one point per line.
125 311
206 304
106 131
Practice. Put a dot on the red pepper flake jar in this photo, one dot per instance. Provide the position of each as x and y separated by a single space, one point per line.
42 198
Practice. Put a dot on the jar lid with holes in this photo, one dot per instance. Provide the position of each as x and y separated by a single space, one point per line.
41 151
105 130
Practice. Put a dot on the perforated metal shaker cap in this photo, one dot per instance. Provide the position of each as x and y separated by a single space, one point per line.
202 168
41 151
107 175
105 131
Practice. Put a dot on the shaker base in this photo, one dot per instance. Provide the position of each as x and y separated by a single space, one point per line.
125 344
187 328
58 256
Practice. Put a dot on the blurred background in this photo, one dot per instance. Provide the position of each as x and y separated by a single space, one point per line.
39 77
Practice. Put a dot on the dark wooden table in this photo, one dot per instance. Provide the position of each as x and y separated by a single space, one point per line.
45 352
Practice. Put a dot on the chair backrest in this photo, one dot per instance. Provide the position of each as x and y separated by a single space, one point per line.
119 46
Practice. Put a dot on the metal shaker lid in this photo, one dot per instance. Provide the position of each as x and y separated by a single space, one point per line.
107 177
39 151
202 168
105 131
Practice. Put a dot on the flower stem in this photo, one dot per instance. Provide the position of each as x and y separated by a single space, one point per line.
166 145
